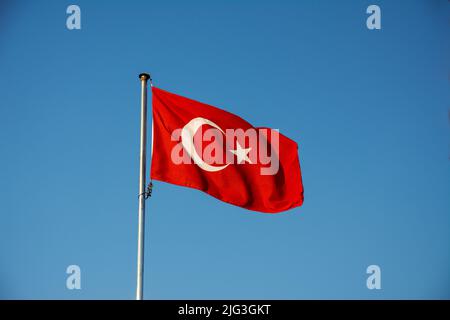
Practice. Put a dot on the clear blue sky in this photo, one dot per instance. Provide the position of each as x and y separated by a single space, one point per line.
369 110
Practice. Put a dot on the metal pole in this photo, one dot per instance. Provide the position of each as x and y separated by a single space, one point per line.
141 227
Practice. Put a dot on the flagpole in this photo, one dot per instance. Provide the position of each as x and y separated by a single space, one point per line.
142 193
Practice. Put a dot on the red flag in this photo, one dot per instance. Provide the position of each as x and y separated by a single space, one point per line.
200 146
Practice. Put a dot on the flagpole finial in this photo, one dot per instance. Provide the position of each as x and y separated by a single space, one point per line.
144 76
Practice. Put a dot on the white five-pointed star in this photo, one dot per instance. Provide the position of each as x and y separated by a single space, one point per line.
241 153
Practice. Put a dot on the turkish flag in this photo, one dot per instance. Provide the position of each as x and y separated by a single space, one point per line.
200 146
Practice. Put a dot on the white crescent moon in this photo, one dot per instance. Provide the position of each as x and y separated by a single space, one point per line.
187 140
